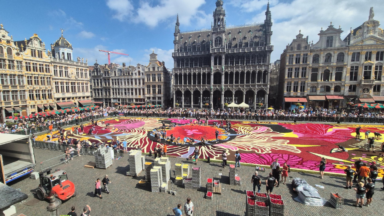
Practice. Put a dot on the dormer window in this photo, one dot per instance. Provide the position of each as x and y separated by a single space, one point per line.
298 47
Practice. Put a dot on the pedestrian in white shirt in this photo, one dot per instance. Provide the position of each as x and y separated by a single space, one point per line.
188 207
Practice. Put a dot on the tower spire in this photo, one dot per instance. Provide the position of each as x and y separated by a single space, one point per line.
177 20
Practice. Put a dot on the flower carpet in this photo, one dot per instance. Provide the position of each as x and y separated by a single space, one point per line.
299 145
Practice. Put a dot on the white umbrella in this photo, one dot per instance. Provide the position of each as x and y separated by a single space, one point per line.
244 105
233 105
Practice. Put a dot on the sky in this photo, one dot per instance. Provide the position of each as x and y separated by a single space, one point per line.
139 27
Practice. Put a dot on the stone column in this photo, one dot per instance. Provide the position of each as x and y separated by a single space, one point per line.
192 99
174 99
243 97
211 100
201 100
182 99
254 102
266 101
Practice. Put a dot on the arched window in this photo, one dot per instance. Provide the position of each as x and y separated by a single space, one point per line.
316 59
326 75
9 51
337 89
327 89
328 58
298 47
218 42
63 55
340 57
1 50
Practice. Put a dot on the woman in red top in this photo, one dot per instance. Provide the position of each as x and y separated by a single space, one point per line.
284 174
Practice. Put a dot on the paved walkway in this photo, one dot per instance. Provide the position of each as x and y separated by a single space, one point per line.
127 199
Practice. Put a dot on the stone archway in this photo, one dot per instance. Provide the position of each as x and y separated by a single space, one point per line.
187 98
216 99
249 97
178 99
206 98
228 96
260 97
196 98
239 96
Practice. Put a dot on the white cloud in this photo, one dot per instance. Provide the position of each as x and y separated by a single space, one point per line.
66 22
164 11
162 55
86 34
310 17
123 8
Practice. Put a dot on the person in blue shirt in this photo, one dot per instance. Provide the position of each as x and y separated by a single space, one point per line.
125 145
177 211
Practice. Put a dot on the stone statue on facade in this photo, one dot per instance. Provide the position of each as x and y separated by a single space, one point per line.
371 14
78 59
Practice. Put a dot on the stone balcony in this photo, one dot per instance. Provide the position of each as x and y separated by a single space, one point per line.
367 82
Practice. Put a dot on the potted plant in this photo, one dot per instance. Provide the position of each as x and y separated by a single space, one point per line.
176 104
298 104
226 104
16 114
260 104
206 104
132 104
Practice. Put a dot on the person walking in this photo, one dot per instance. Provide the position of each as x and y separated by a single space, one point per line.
98 188
256 180
177 210
106 181
217 135
276 174
322 167
364 172
358 164
188 207
86 211
224 156
284 174
373 174
196 155
237 159
349 175
72 212
370 191
360 194
165 150
358 133
271 182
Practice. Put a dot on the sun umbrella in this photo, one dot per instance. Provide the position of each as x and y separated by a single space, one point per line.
364 105
31 116
15 118
379 106
10 117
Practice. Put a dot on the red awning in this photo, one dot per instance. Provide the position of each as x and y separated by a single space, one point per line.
316 98
66 104
298 100
86 102
40 106
367 100
334 97
98 102
378 98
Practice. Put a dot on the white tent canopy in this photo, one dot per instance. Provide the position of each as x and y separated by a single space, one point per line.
233 105
244 105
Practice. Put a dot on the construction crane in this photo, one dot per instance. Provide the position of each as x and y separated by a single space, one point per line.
109 54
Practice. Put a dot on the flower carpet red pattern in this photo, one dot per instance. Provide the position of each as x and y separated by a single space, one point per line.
299 145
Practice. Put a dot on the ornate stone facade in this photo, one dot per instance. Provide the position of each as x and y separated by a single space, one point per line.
222 65
334 72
